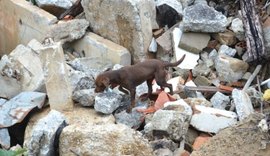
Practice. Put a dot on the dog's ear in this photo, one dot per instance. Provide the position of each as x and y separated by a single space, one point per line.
106 81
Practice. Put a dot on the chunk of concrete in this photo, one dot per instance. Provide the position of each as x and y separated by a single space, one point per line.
202 18
67 31
59 3
230 69
227 37
201 69
212 120
220 101
172 121
225 50
199 41
242 103
93 45
25 22
190 60
58 86
102 139
85 97
4 138
238 28
125 22
32 76
41 139
16 109
107 102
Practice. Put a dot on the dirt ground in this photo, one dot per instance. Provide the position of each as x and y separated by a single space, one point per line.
243 139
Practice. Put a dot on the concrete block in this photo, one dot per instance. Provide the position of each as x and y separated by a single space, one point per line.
25 22
58 85
96 46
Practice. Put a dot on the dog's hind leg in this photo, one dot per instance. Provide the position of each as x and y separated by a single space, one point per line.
123 90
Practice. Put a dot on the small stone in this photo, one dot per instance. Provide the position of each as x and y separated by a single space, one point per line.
220 101
224 49
163 152
202 18
226 38
107 102
238 28
164 143
242 103
59 3
200 140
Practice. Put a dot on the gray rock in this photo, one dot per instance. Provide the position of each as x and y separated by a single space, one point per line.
69 30
164 143
238 28
85 97
224 49
201 69
213 54
172 122
163 152
202 18
212 120
85 83
125 22
266 34
41 141
59 3
242 103
4 138
107 102
230 69
220 100
102 139
16 109
132 120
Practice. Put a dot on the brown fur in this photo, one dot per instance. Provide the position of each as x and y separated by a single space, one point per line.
129 77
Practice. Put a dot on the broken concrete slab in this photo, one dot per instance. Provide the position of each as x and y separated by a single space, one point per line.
242 103
93 45
58 86
40 140
4 138
67 31
32 75
230 69
190 60
199 41
102 139
211 120
202 18
107 102
25 22
130 23
16 109
220 101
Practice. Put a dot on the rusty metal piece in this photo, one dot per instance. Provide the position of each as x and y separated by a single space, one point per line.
207 89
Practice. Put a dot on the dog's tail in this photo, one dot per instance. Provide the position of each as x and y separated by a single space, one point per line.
168 64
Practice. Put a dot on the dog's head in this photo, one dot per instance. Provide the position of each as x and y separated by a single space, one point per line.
102 82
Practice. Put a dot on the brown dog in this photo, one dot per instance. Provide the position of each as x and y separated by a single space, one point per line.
129 77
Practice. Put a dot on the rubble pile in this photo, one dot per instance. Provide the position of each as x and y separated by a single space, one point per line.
52 51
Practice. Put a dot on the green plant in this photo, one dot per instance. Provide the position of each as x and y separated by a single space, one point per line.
17 152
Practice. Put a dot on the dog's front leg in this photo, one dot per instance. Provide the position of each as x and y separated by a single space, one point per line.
132 99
